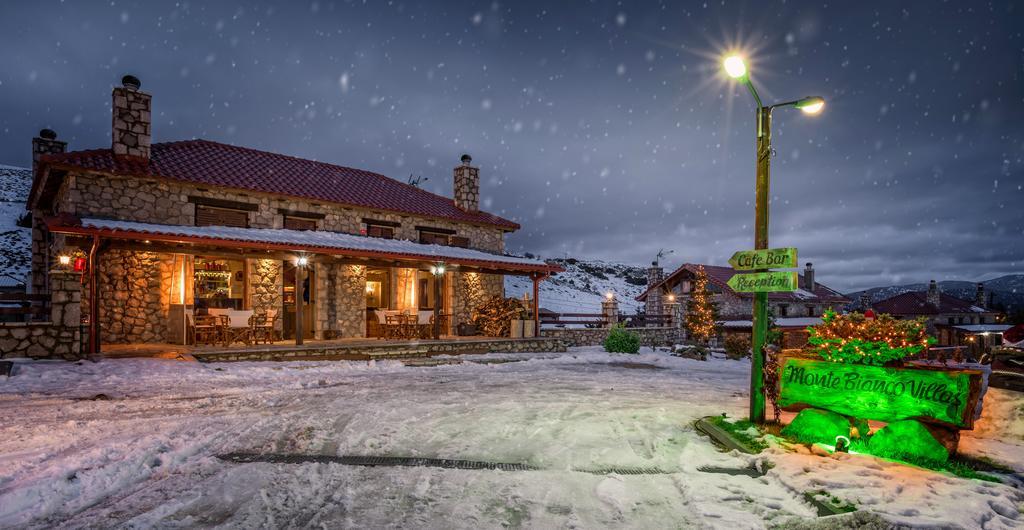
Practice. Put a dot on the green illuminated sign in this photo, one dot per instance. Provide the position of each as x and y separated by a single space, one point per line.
763 282
769 258
879 393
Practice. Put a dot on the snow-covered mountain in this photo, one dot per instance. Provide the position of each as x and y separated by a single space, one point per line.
1006 292
583 285
15 241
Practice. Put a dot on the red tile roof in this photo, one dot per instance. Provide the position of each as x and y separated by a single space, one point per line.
215 164
916 303
720 277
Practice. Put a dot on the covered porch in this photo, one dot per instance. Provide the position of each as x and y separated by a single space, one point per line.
212 287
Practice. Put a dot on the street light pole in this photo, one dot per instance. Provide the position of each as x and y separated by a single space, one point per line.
761 194
737 69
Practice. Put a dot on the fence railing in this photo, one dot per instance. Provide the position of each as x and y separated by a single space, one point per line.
597 320
24 307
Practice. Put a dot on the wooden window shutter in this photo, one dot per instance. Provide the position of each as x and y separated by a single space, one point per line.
298 223
385 232
433 238
210 216
459 241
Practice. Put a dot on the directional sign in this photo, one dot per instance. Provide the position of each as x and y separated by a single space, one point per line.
771 258
764 282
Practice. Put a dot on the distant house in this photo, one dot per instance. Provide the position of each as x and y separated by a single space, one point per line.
793 310
953 321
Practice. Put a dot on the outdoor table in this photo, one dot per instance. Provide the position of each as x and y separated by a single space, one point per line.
237 325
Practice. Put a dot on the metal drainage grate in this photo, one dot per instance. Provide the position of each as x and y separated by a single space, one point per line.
389 461
626 471
405 461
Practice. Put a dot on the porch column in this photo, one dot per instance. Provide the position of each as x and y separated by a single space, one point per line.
94 296
300 273
536 302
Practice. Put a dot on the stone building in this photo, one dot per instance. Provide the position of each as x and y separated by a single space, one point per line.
802 307
170 230
954 322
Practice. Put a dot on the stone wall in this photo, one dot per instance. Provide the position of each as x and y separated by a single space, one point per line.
659 336
266 283
469 290
166 202
341 301
369 350
133 306
61 336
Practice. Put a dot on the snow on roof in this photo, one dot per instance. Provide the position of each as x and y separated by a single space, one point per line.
315 239
983 328
7 280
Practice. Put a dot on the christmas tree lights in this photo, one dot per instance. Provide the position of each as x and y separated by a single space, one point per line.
855 339
701 314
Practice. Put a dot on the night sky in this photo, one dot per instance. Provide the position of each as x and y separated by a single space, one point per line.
605 128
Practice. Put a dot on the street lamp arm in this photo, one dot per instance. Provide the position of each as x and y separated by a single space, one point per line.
753 92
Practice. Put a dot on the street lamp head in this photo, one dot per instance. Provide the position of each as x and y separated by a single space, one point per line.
302 261
811 104
735 67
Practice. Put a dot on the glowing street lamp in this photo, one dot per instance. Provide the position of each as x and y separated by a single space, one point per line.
736 68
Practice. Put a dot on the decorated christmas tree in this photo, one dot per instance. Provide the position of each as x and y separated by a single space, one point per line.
701 313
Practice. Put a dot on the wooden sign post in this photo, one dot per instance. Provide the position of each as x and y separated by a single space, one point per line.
761 282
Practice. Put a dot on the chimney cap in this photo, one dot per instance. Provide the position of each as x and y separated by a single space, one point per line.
132 82
48 134
809 265
466 159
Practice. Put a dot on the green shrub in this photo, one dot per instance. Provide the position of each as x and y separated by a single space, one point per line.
817 426
910 441
621 341
736 346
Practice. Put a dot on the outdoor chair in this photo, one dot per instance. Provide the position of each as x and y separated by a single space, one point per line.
207 329
263 326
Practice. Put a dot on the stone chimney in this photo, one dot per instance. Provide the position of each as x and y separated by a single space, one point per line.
653 304
809 284
979 295
467 185
46 144
131 132
933 294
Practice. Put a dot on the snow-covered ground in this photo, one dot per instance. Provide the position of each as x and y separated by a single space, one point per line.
15 241
142 454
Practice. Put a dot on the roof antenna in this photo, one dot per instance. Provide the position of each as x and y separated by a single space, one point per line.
661 254
416 180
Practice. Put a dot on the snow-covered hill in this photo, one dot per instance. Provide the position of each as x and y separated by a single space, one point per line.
583 285
15 241
1006 292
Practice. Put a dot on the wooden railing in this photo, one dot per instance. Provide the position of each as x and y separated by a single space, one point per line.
597 320
24 307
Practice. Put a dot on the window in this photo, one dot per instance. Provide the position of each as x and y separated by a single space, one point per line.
214 216
810 311
433 238
379 228
219 283
385 232
378 288
299 223
783 309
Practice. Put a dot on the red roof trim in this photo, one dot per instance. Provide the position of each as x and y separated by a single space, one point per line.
207 163
65 225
